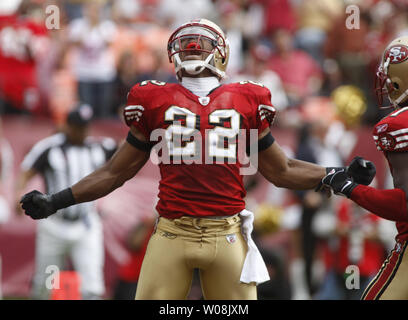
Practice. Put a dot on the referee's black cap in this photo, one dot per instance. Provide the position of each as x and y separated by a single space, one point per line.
81 116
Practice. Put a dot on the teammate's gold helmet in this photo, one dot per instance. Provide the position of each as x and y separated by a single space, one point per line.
196 37
392 74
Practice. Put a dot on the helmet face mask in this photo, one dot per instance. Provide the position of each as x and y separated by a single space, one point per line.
194 44
198 45
392 74
382 86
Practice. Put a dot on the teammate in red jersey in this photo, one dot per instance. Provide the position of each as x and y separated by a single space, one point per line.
203 222
391 137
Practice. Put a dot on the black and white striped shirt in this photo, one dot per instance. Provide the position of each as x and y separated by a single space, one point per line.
62 164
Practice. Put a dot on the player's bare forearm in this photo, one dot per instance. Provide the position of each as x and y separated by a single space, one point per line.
123 165
288 173
302 175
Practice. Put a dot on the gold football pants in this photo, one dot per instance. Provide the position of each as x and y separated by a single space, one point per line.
215 246
391 281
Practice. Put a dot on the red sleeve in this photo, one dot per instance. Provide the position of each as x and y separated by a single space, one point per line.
136 111
265 111
388 204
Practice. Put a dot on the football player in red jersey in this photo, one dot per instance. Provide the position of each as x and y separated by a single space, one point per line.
202 218
391 137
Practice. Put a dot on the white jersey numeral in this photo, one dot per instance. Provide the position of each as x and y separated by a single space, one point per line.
217 135
177 133
186 124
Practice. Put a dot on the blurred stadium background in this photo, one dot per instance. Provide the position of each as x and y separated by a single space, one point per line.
321 75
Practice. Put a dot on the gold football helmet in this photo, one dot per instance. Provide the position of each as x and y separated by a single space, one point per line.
197 37
392 74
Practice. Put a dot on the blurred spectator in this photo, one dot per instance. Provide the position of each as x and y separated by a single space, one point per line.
349 49
315 18
137 12
128 10
271 232
350 105
73 8
251 18
257 70
312 148
268 216
75 233
279 14
143 43
159 70
353 240
300 74
176 12
232 25
94 64
23 42
136 241
125 78
9 7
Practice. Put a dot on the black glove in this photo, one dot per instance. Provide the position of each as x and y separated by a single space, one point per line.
39 206
340 182
362 171
320 186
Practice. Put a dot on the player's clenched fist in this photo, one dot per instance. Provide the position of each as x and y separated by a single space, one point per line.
343 181
362 171
37 205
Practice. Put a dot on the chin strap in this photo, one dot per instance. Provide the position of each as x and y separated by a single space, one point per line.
195 67
400 98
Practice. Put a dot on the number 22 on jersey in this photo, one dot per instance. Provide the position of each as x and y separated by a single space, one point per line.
183 137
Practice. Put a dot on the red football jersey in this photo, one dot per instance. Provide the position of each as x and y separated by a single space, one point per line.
200 189
391 135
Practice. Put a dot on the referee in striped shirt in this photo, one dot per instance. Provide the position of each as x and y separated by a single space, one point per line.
75 232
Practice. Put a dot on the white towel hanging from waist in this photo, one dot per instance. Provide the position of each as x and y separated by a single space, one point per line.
254 269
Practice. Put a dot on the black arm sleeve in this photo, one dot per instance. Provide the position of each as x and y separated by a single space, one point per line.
265 142
141 145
